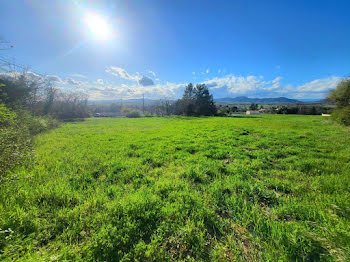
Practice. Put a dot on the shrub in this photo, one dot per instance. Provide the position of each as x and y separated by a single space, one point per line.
148 114
36 124
15 141
133 114
341 97
342 115
16 132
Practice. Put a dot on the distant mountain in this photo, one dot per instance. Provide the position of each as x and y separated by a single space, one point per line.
244 99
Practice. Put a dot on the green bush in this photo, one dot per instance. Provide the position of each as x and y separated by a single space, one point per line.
133 114
341 96
148 114
16 132
15 141
36 124
342 115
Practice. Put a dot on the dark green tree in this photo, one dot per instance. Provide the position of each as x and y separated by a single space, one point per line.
204 101
253 106
196 101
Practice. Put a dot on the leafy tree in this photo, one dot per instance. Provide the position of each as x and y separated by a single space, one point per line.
253 106
196 101
341 97
15 92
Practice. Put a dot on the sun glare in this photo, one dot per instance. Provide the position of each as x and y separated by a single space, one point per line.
98 26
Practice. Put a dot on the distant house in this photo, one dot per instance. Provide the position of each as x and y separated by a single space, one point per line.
326 114
254 112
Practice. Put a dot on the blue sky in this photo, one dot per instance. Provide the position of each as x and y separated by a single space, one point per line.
297 49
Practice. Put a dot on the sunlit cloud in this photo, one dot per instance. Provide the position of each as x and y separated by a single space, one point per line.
53 78
121 72
71 81
318 87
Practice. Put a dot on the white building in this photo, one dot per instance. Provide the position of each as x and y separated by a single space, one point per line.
254 112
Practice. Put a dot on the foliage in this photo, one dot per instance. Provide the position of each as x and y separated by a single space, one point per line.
17 129
302 109
196 101
15 146
253 106
15 91
133 114
341 96
342 115
148 114
125 110
273 188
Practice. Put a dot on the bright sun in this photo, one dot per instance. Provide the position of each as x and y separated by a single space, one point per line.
98 26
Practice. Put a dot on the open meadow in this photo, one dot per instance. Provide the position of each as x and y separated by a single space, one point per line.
259 188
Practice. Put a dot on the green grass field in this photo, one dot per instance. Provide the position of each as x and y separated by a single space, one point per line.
264 188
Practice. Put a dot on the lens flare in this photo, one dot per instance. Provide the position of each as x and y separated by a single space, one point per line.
98 26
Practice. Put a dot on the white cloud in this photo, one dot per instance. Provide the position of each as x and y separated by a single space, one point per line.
317 88
31 76
121 72
168 90
78 75
71 81
207 71
243 85
100 81
320 85
232 85
152 73
53 78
